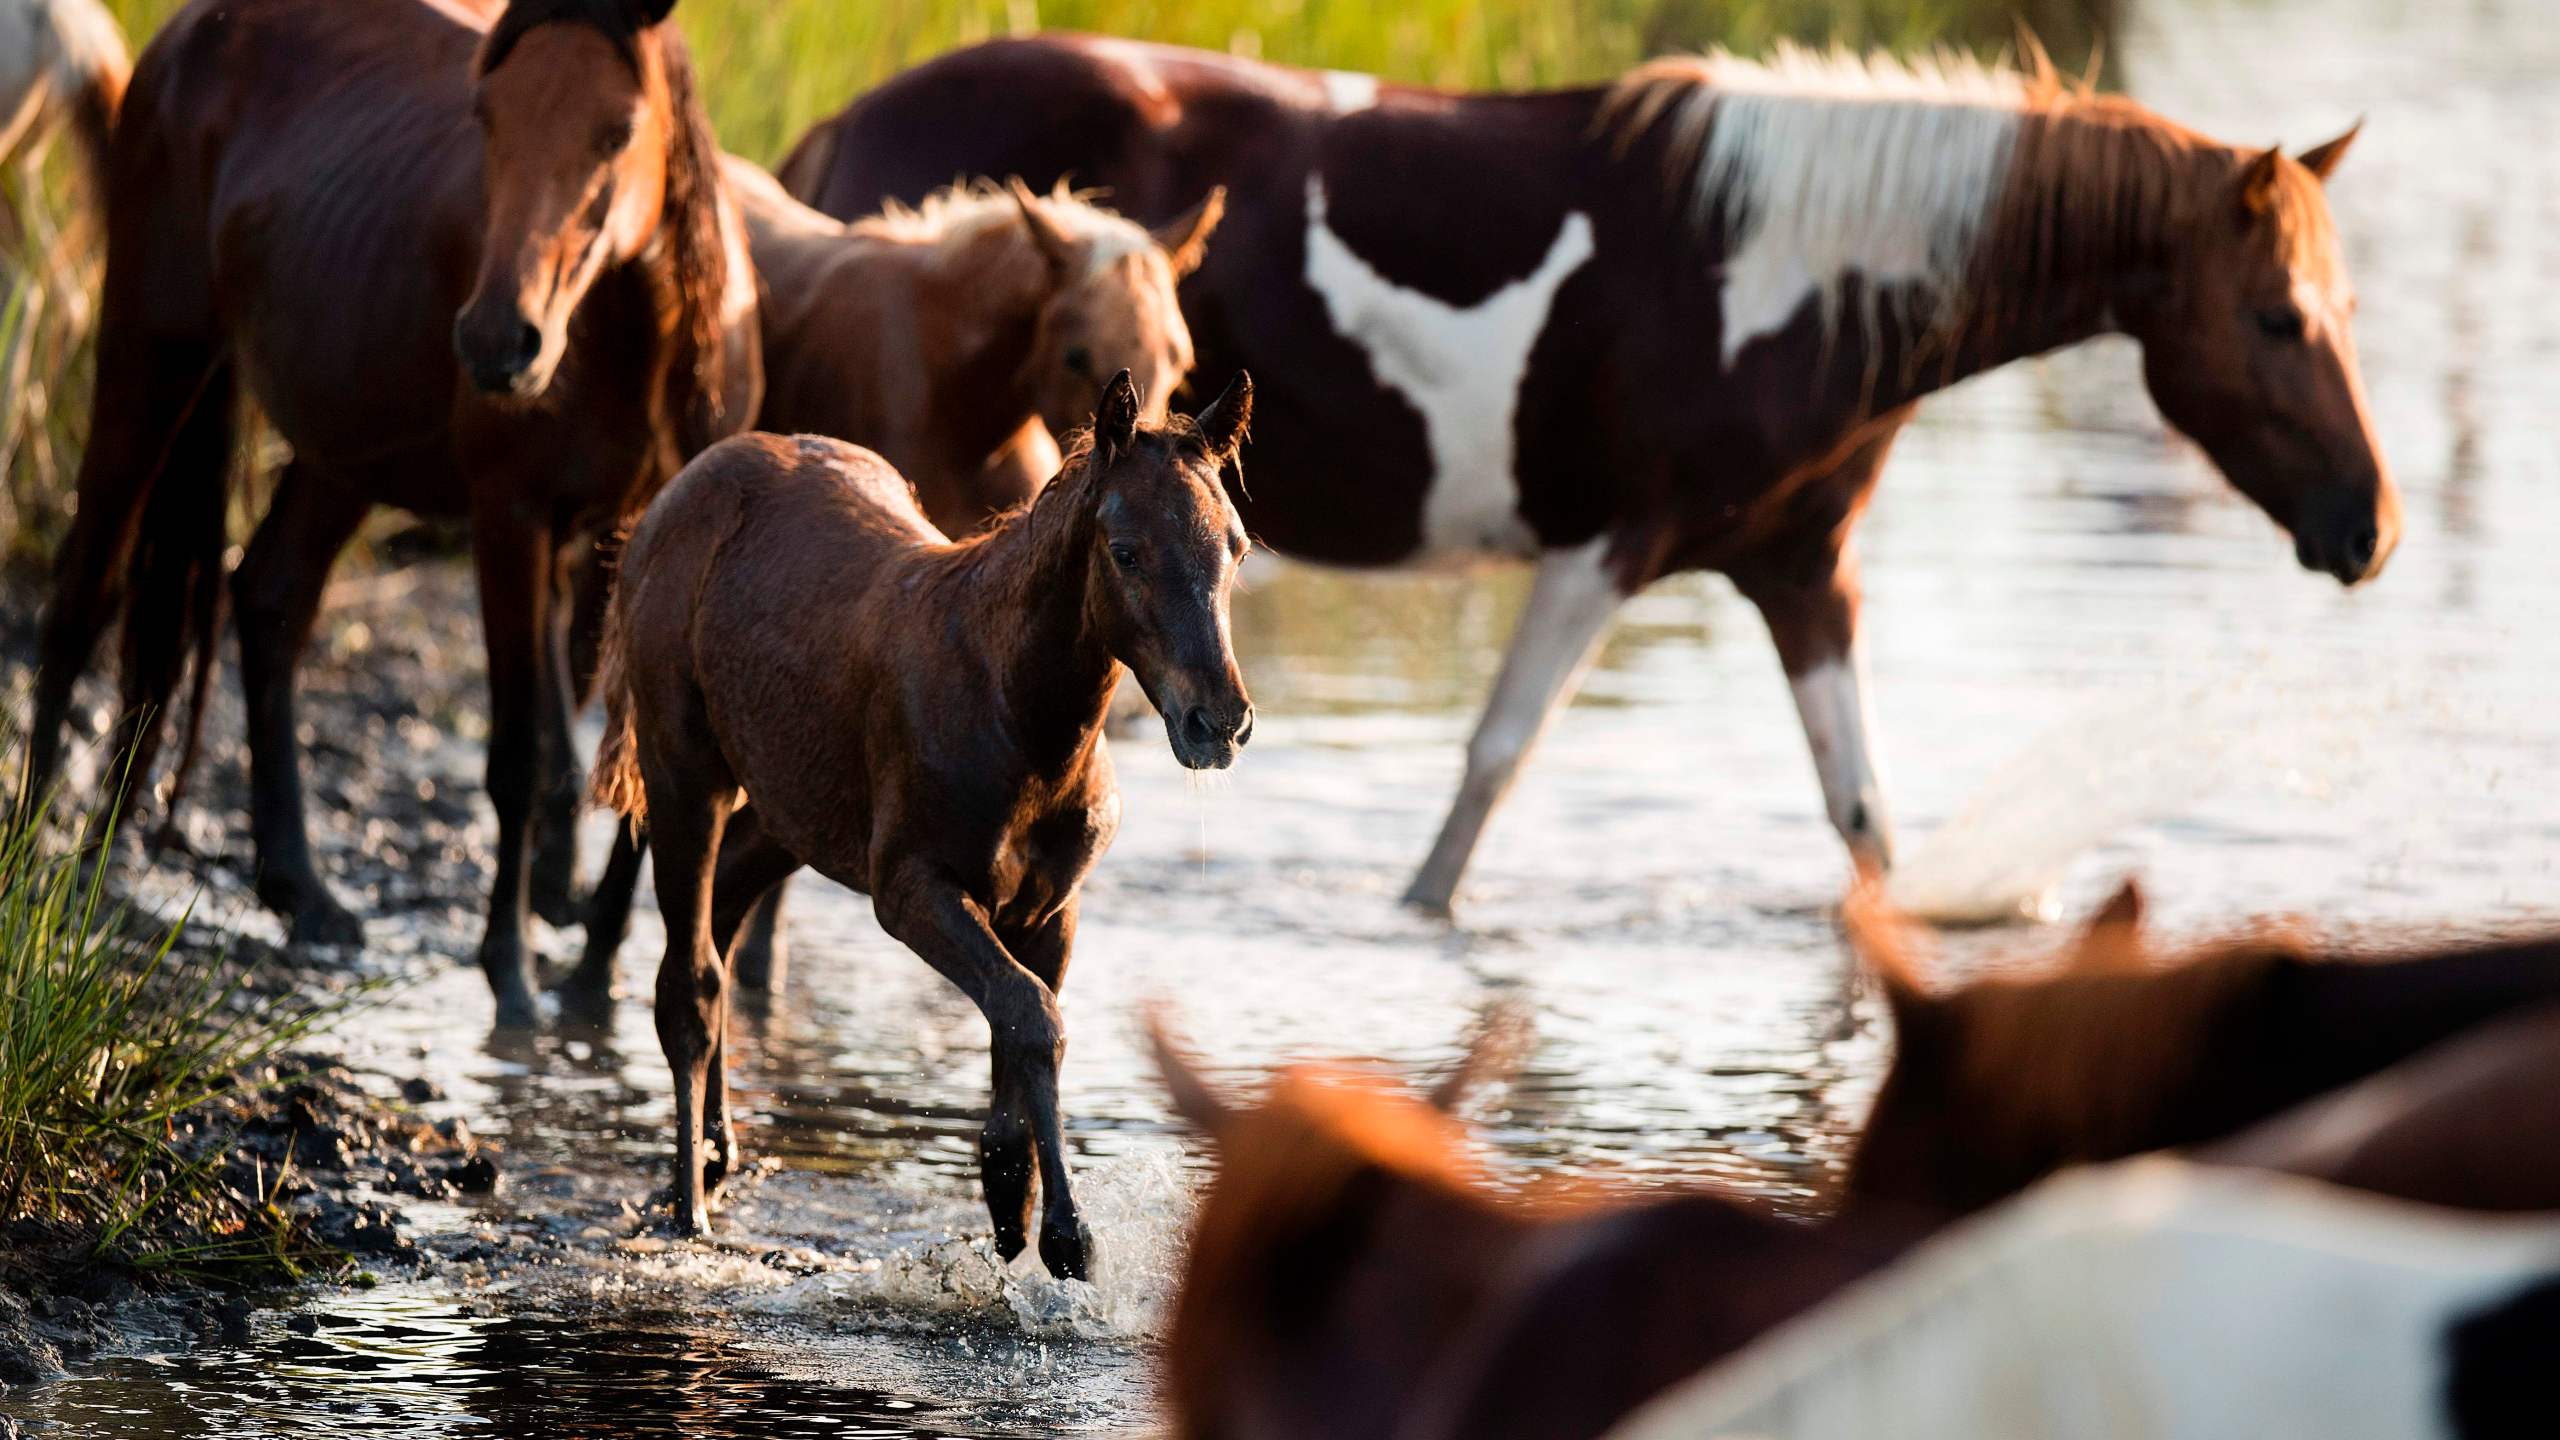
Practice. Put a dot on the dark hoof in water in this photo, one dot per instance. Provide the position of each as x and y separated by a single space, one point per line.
1068 1251
559 903
512 984
585 1002
1429 903
324 922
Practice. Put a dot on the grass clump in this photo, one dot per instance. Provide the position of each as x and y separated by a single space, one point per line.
112 1038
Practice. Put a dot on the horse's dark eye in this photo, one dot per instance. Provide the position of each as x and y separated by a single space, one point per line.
2281 323
1080 360
1125 556
613 138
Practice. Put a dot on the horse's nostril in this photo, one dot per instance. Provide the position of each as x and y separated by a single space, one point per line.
1196 727
528 343
2360 547
1244 732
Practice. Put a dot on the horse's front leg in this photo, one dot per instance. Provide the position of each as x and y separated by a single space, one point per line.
1570 604
1066 1246
931 914
1812 612
276 597
513 555
581 584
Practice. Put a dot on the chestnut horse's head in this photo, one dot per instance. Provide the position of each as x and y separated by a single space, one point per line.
1166 543
593 146
1340 1250
2248 348
1113 306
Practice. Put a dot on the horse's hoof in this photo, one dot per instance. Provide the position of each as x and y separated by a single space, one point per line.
511 983
585 1000
559 904
1430 902
692 1221
1068 1250
517 1010
324 922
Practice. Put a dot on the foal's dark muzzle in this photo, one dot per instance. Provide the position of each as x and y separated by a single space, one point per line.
2349 541
498 347
1207 737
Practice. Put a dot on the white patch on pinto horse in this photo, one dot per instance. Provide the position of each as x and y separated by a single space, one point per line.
1348 90
1459 366
1820 165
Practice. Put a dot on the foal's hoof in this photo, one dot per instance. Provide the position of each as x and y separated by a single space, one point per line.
511 981
323 921
1068 1250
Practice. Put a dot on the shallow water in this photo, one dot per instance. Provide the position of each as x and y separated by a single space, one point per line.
2090 657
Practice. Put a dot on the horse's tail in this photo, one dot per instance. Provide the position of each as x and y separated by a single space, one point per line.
616 783
98 69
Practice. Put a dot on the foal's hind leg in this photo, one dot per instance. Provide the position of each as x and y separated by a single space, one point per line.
688 811
751 867
275 597
1569 607
933 916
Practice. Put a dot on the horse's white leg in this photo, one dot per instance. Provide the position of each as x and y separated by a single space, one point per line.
1839 719
1570 604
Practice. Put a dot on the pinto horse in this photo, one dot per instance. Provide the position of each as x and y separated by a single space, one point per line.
1352 1277
801 670
1668 324
2122 1050
954 339
496 279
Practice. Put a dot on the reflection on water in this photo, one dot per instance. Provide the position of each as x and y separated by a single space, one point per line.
2090 656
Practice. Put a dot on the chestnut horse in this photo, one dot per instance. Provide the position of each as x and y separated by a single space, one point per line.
2122 1050
496 279
1669 324
1352 1277
801 670
955 340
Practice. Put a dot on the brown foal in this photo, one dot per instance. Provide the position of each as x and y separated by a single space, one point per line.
803 671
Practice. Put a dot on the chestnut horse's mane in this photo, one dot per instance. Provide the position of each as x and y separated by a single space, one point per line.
697 251
962 211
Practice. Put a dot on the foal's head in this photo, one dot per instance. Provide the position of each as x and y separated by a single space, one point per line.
2248 348
1166 543
1113 306
592 138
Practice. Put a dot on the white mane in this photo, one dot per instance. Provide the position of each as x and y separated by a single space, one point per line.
1820 163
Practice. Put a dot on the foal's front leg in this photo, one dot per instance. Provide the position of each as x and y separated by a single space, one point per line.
934 916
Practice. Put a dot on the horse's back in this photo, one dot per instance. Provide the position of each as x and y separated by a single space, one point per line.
1044 108
765 502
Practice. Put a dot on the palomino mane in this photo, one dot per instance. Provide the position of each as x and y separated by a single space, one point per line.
1959 181
959 214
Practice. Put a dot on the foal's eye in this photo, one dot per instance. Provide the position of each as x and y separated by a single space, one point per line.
2281 323
1080 360
613 137
1124 556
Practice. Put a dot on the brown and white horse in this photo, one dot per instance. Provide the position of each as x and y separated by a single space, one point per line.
495 279
1672 323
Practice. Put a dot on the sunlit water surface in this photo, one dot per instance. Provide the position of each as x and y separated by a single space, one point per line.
2090 657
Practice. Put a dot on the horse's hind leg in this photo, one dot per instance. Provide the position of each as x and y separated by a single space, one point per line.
691 796
761 956
275 598
751 868
161 416
1570 604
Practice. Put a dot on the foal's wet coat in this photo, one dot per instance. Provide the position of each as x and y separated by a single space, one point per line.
804 672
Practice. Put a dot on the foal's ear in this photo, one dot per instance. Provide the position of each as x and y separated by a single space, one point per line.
1115 421
1502 1039
1193 1100
1228 419
2113 932
645 13
2321 160
1185 237
1046 234
2257 183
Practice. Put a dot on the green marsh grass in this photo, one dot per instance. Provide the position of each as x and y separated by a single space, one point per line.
112 1039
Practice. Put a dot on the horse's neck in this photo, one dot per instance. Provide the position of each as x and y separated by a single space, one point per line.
1027 576
982 321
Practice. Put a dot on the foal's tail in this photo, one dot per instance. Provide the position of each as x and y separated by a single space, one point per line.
615 784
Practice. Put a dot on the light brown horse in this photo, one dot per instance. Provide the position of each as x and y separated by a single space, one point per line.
801 670
496 279
2124 1048
954 339
1352 1276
